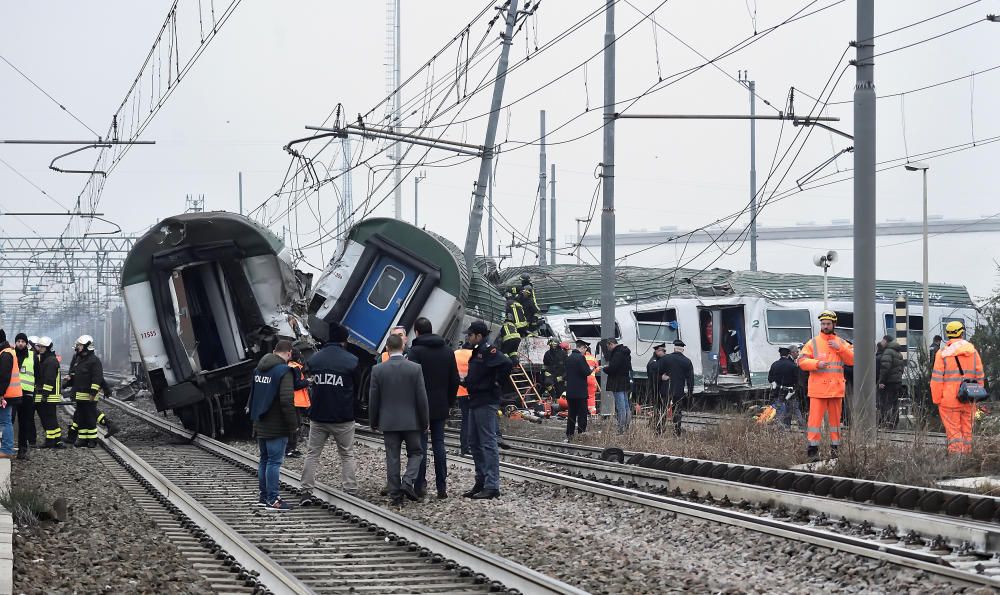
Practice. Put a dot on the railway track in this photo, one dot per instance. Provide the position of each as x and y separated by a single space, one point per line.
963 549
703 420
344 545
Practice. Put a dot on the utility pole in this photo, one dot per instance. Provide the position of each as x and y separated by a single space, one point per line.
751 85
489 222
543 222
416 193
241 192
393 79
486 164
608 183
552 214
863 397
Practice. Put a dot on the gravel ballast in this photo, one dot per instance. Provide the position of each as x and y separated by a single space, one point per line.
603 546
108 544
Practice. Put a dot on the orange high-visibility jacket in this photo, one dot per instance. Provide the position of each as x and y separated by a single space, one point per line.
462 357
301 396
945 379
594 366
828 382
14 388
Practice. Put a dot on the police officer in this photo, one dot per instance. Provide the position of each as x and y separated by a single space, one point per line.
48 392
86 377
28 362
676 369
488 370
657 398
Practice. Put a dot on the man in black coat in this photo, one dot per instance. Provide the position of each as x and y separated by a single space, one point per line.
577 372
784 375
890 382
441 380
678 371
652 378
619 373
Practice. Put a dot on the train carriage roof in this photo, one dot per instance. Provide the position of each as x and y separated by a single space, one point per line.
563 288
190 229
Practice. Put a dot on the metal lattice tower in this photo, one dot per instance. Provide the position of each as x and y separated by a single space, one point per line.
393 106
345 210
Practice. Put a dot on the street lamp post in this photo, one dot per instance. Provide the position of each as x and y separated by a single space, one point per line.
923 167
824 261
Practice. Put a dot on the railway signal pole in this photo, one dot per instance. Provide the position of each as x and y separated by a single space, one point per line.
863 396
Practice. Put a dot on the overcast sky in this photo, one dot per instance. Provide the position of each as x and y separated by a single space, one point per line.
278 66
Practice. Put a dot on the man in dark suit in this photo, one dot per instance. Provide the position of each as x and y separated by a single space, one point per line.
397 405
678 370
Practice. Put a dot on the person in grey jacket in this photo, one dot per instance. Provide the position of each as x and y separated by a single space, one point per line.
397 405
272 408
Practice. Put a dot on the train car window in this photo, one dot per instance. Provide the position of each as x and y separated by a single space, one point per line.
788 326
657 326
385 288
845 325
915 330
589 329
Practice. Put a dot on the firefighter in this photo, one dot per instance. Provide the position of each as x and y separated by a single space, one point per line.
48 392
956 361
824 357
514 313
86 376
28 361
530 304
554 369
510 339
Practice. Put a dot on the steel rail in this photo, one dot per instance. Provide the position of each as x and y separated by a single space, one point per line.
267 572
509 574
902 556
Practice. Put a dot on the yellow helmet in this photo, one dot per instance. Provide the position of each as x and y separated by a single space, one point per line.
828 315
954 329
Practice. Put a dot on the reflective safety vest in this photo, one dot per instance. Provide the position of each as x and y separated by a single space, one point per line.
508 331
827 382
14 388
28 373
301 395
946 378
462 357
515 314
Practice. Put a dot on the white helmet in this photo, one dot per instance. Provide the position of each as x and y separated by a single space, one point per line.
45 342
32 340
87 341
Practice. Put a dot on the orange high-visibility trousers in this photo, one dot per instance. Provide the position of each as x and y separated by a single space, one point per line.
830 408
958 427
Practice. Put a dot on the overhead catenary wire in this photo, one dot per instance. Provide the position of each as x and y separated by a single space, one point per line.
47 94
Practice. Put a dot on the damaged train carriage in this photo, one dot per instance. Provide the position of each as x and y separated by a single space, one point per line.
388 273
208 294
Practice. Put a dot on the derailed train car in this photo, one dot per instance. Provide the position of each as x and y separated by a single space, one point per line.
208 294
388 273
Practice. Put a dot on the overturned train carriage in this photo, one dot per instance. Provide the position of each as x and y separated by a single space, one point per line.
208 294
388 273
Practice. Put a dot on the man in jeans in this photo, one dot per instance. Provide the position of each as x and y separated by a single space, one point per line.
619 371
331 412
10 388
272 409
440 371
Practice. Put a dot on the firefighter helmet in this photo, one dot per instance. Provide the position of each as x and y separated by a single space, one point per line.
954 329
45 342
32 340
828 315
87 341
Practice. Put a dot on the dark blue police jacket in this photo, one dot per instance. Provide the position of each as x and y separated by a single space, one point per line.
264 389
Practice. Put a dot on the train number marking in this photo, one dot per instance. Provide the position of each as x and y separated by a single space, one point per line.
147 334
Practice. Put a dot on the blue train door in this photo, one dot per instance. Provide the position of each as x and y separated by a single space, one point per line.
382 296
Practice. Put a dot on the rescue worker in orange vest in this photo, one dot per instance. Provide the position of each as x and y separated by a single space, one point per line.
301 399
396 330
954 362
592 379
824 357
10 386
462 357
